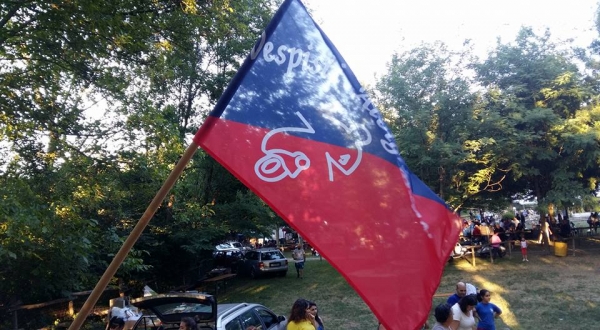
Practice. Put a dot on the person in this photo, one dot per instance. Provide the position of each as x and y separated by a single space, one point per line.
476 233
545 230
466 232
486 311
299 257
443 317
524 248
312 308
188 323
462 313
496 245
116 323
593 222
565 229
300 317
461 291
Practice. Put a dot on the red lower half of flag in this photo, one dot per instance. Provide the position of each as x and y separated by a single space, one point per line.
355 208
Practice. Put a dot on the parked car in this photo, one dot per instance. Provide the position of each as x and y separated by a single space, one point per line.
245 315
228 259
229 246
165 311
263 261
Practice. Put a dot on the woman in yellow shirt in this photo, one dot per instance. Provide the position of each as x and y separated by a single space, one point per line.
300 317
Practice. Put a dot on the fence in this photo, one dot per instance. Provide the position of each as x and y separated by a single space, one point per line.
62 309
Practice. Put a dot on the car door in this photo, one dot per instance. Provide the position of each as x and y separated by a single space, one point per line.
250 259
234 324
269 319
250 321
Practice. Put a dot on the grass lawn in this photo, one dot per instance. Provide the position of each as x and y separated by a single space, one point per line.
548 292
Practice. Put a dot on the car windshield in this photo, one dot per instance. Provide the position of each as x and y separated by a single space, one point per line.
272 255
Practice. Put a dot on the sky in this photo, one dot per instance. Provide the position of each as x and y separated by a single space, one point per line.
368 32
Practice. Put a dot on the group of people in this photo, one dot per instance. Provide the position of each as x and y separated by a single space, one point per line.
461 310
305 316
593 221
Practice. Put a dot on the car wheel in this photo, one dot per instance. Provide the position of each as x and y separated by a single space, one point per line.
253 273
283 274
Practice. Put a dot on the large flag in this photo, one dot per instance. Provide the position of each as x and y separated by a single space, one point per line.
296 127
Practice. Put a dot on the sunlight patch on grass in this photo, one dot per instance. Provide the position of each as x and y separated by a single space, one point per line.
497 290
257 289
466 266
547 260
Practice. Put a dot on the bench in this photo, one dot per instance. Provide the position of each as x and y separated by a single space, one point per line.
219 279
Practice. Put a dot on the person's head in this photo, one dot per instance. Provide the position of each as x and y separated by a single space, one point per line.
299 310
116 323
467 303
188 323
312 308
484 296
443 312
522 237
461 289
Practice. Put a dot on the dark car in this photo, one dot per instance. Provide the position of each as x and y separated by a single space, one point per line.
228 259
263 261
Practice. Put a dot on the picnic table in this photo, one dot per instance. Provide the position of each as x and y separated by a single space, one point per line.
219 279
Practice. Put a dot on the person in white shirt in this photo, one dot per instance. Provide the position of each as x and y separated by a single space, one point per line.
299 257
462 313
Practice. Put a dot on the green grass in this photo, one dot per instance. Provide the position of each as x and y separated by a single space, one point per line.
338 303
548 292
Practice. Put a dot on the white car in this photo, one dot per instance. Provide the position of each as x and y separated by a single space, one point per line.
165 311
231 246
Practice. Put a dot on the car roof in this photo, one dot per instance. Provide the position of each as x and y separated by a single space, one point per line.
223 309
225 246
267 249
231 309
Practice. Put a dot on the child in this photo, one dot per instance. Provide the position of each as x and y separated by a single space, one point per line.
524 248
487 311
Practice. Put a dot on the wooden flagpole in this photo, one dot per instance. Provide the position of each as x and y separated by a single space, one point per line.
133 237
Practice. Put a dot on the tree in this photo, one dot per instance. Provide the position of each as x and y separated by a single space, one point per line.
85 183
432 111
538 100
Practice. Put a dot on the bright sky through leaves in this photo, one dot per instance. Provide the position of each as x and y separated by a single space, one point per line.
368 32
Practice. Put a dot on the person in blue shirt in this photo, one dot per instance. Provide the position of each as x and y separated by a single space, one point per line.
312 308
461 291
486 311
